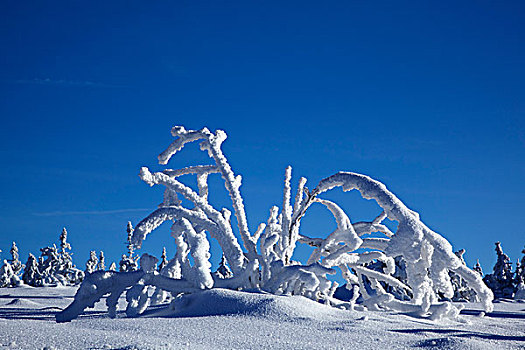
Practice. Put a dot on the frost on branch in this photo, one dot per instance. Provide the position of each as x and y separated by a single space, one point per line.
428 255
406 271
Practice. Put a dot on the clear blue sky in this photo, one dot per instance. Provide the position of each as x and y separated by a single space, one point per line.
427 97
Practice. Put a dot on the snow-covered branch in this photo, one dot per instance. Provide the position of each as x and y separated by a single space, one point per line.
413 240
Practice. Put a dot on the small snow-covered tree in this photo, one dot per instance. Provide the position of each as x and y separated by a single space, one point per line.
501 280
15 263
8 277
113 266
92 263
101 261
65 247
519 279
264 259
131 247
32 275
478 268
64 244
129 262
163 260
65 268
223 271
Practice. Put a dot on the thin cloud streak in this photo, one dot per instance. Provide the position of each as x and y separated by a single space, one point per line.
92 212
63 82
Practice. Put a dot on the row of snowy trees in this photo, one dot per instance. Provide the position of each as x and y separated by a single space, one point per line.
504 282
55 265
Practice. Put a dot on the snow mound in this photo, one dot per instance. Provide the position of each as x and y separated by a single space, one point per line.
23 303
219 302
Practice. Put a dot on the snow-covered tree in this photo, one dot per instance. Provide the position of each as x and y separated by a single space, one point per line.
65 255
64 244
15 263
478 268
131 247
8 277
101 261
66 268
32 275
163 260
264 259
92 263
501 281
223 271
519 279
129 262
113 266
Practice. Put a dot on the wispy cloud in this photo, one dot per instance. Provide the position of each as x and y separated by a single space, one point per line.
92 212
63 82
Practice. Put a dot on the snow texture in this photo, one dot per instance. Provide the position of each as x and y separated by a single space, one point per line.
225 319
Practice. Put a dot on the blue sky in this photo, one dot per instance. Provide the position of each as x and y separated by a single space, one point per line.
427 97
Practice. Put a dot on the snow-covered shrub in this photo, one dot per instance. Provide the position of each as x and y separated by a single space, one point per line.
8 277
263 259
501 281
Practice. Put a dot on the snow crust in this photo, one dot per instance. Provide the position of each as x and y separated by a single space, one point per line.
225 319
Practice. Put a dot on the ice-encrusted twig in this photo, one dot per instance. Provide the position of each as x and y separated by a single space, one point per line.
285 239
196 169
224 234
212 144
161 215
364 228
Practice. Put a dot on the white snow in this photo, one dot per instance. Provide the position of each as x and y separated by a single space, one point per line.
225 319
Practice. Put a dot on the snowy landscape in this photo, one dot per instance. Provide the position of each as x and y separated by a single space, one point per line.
404 287
222 319
262 175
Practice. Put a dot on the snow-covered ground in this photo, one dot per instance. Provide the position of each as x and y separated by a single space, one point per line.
223 319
